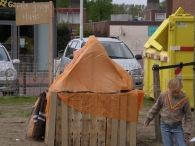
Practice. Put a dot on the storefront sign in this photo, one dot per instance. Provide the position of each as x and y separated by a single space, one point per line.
32 13
11 3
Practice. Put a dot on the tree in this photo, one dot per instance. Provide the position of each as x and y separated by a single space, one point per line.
163 5
130 9
98 10
63 3
86 31
63 36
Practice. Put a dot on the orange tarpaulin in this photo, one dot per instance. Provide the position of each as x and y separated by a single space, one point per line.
123 106
91 70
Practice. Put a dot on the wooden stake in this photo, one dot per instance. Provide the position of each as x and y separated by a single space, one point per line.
156 81
50 51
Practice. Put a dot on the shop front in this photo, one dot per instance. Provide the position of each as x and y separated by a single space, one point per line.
25 42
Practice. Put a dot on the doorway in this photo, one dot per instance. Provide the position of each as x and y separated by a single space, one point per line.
26 43
18 40
7 30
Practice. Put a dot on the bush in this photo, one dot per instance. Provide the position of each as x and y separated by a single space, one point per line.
86 32
63 36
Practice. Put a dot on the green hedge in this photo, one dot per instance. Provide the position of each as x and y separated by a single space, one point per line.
63 36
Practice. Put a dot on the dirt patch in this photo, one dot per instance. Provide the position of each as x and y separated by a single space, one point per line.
13 131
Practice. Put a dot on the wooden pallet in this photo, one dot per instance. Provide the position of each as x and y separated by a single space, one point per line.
80 129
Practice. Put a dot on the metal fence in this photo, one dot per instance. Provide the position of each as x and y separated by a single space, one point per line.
32 79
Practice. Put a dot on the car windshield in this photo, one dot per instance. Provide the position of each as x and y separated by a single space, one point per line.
3 55
117 50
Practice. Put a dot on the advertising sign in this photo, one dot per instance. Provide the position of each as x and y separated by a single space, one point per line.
11 3
32 13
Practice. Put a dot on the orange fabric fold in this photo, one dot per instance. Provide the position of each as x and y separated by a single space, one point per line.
121 106
91 70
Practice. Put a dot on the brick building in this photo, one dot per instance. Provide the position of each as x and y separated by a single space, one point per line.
187 5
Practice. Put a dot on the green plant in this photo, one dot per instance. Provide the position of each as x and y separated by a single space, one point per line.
148 102
86 32
63 35
16 106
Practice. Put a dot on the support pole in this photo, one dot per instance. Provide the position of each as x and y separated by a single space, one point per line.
194 77
156 81
50 51
81 19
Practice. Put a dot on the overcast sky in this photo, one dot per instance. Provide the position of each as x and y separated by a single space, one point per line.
138 2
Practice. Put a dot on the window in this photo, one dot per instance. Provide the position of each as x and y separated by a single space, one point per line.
71 49
3 55
160 16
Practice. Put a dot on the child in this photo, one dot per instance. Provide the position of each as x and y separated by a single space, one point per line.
173 106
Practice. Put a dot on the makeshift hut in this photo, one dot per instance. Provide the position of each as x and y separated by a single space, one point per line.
92 102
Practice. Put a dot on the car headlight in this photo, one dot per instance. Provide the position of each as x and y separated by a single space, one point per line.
2 74
8 73
138 71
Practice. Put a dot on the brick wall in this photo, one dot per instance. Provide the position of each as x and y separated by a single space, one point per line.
187 5
145 14
150 14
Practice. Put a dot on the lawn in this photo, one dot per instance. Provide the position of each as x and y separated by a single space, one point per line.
16 106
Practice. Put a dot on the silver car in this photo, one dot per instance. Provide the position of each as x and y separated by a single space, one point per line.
8 75
117 51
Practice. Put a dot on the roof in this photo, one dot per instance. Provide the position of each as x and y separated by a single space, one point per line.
102 39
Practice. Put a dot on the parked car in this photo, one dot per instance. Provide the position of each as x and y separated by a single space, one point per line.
8 74
117 51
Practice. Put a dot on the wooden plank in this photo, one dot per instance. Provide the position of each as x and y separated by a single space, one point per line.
118 133
108 131
70 126
76 128
114 133
123 132
59 115
52 119
119 114
85 130
46 132
101 131
133 133
131 130
93 130
128 134
64 124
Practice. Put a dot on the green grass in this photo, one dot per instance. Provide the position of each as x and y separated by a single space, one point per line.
148 102
17 100
16 106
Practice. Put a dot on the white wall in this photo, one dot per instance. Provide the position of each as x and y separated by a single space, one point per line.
134 37
73 18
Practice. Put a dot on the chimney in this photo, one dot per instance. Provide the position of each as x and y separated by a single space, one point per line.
169 7
153 4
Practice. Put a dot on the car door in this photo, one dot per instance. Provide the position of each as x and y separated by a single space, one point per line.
68 53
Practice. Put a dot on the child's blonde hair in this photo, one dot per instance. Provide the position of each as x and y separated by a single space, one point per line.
174 83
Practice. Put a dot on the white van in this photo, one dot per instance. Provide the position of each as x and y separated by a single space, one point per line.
117 51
